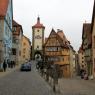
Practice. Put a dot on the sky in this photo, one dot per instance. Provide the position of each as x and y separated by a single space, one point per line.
67 15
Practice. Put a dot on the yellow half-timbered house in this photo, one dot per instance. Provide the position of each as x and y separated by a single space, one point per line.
56 49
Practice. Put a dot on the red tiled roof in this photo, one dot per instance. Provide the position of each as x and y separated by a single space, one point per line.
80 50
86 34
60 33
3 7
86 29
38 24
63 37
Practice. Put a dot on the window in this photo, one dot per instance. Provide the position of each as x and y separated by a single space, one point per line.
38 30
94 42
19 53
24 49
63 59
23 56
13 51
0 27
14 29
15 40
24 44
6 30
37 47
58 48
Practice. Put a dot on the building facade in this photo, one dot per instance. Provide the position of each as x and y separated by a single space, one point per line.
17 35
6 17
37 40
81 58
72 61
26 50
56 50
93 39
87 47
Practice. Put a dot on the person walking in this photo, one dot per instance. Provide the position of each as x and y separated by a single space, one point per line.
4 65
82 72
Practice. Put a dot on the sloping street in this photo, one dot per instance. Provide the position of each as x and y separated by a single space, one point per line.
31 83
24 83
77 86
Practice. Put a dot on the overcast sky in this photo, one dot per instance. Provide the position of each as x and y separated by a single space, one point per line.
68 15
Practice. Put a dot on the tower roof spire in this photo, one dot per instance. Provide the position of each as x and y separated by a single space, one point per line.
38 24
38 20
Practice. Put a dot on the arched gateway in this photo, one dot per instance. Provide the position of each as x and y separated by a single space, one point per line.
37 55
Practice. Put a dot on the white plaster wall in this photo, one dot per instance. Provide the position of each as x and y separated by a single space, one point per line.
38 42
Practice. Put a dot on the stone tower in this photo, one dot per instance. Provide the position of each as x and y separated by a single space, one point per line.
37 40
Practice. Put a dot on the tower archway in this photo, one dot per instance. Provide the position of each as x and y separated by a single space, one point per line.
38 55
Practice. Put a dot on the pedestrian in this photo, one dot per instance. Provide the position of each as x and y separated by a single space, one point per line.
85 76
8 62
13 63
4 65
82 72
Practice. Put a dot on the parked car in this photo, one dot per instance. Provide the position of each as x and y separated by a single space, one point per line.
25 67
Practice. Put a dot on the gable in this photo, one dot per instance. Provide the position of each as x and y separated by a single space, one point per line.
53 42
86 30
53 39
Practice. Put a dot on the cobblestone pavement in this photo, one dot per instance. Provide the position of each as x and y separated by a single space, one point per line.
77 86
8 70
31 83
24 83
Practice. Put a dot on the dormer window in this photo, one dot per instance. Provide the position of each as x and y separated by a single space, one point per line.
14 29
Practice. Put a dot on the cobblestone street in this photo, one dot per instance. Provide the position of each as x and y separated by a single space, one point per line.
31 83
77 86
24 83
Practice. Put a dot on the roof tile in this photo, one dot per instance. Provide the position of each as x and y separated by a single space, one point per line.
3 7
38 24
